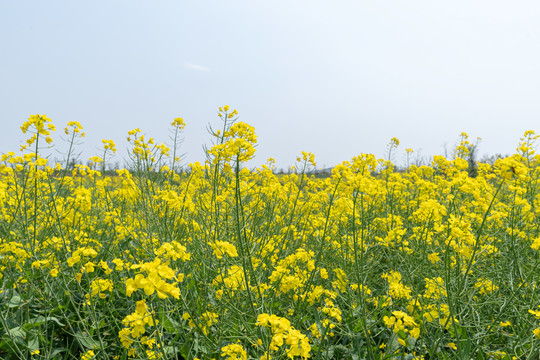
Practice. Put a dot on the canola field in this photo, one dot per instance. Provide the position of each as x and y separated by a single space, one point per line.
226 262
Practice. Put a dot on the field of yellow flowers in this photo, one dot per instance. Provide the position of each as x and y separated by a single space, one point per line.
222 262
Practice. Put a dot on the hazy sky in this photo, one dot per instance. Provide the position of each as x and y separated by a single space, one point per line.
337 78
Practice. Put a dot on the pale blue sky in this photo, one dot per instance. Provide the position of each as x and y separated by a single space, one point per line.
337 78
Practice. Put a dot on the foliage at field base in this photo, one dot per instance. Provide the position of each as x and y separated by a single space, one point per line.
222 262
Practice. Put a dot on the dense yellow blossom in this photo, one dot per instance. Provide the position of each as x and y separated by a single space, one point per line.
216 259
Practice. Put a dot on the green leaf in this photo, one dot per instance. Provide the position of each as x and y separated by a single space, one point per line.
33 343
40 320
171 325
86 341
57 351
17 332
359 326
171 351
393 344
15 301
329 352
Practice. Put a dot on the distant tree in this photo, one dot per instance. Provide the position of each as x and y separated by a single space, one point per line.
471 160
419 159
490 159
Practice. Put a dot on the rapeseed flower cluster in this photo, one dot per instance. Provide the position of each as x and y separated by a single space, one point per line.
135 327
234 352
154 281
282 333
